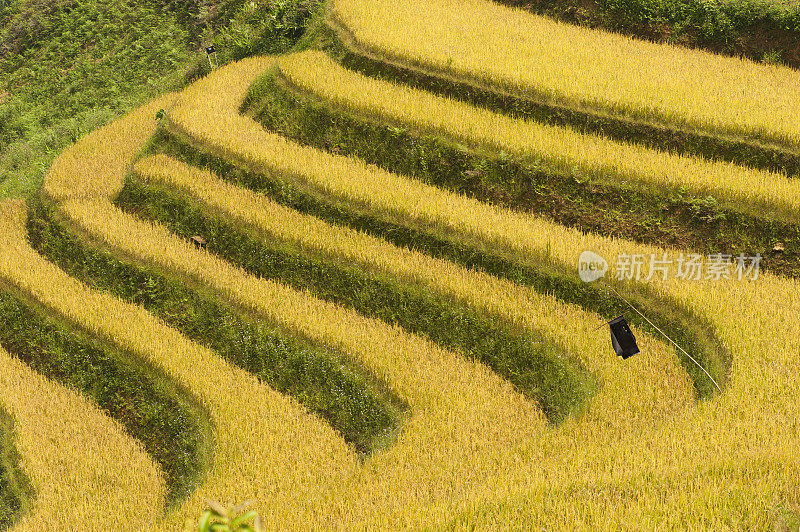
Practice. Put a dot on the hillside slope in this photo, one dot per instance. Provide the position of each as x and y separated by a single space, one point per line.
70 66
346 282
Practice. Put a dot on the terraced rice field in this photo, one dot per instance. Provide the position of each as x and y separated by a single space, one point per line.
382 323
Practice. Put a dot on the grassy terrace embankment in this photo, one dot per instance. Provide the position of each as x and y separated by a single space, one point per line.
571 186
433 401
446 387
91 465
15 492
232 397
170 426
538 271
655 95
342 187
560 149
443 386
762 30
372 277
359 407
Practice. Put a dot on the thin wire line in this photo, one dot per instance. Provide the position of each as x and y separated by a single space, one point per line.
667 337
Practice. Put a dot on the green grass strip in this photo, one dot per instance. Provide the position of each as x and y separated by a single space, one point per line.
540 369
694 333
760 153
16 492
355 403
171 426
675 219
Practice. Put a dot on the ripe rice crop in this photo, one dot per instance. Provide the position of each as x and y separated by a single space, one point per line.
89 468
562 149
253 424
432 396
719 464
521 305
360 409
452 397
474 452
104 152
172 428
207 116
438 385
529 54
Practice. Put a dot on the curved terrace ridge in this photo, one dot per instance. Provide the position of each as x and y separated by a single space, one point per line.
474 451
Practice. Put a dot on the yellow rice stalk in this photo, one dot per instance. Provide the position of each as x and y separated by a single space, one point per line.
105 151
87 472
672 472
267 446
314 72
249 417
207 115
450 397
589 471
300 474
568 325
480 40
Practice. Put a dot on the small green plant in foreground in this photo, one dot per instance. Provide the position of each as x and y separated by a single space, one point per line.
219 519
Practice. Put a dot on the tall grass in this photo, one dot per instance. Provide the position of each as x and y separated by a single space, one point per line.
86 471
562 149
67 67
587 68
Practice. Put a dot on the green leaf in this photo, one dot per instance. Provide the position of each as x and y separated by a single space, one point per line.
242 518
239 507
205 520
